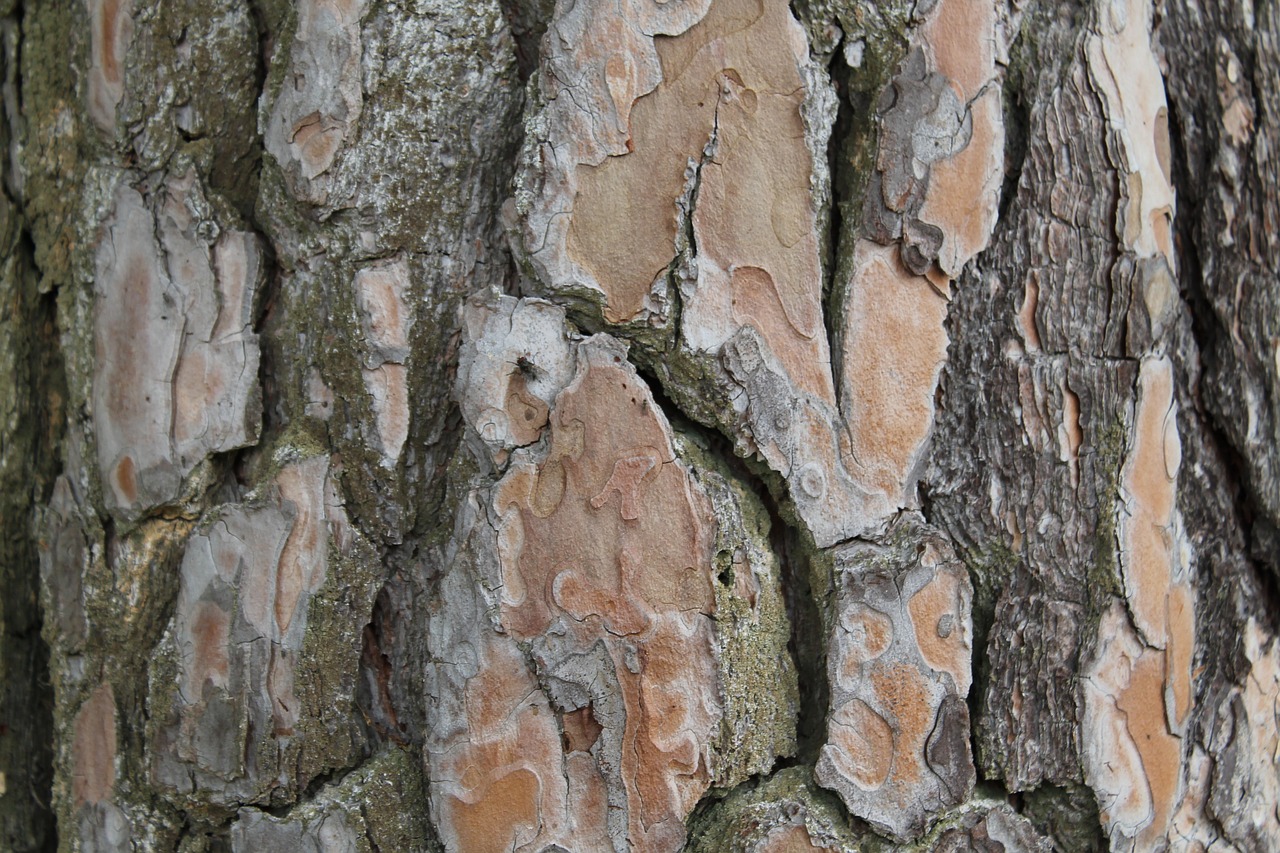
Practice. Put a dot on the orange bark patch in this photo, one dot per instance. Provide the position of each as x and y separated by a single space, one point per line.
870 635
126 479
1143 706
905 697
493 823
581 731
1146 528
605 537
936 615
1179 654
964 189
735 76
897 748
895 346
963 38
864 744
1132 758
383 293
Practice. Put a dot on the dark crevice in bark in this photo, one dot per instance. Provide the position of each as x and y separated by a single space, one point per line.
375 688
795 552
527 20
26 699
832 292
1067 815
1207 331
273 417
368 833
198 835
33 449
808 643
1016 110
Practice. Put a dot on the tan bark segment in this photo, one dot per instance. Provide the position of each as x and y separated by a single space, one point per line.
584 708
177 358
897 749
1123 67
931 208
964 190
1139 694
644 143
895 345
94 748
1132 759
100 822
245 584
1149 527
616 552
611 161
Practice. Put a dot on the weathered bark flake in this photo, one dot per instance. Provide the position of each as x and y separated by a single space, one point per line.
1132 760
177 358
897 749
930 207
317 106
590 556
239 629
1122 65
382 292
696 152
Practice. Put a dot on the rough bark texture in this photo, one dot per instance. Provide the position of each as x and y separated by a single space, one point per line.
718 425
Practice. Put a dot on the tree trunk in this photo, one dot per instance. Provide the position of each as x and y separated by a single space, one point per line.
699 425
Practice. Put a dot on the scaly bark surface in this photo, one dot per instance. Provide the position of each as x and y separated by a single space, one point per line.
721 425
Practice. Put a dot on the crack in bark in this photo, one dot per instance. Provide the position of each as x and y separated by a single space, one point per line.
37 348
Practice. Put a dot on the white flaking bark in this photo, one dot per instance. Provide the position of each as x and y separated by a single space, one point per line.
176 377
317 107
515 359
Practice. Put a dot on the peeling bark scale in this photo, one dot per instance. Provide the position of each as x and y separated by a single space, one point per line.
647 425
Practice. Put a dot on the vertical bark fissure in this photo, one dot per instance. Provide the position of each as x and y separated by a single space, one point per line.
1206 329
807 642
832 292
31 448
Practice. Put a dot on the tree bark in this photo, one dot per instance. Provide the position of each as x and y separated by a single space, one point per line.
718 425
